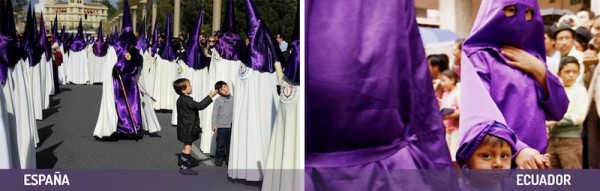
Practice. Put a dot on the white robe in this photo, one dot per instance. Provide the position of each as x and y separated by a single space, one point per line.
149 121
49 82
166 74
77 67
36 82
285 159
5 135
95 64
255 109
198 79
61 69
23 129
107 117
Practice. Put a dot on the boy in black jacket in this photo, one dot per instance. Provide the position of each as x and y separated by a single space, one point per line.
188 121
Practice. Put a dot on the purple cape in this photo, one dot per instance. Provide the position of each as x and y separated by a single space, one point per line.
230 44
130 101
193 55
493 91
100 47
141 43
29 42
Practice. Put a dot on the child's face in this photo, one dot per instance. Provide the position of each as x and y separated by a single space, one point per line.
188 89
569 74
434 71
447 83
224 91
491 157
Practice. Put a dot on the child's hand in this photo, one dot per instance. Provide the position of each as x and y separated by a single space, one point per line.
523 60
214 129
550 123
529 158
212 93
546 159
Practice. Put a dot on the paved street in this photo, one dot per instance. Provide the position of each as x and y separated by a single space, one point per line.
66 140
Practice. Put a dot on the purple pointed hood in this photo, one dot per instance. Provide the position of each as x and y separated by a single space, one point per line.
100 47
63 36
55 34
263 50
142 44
42 42
193 55
29 42
230 44
292 70
78 43
154 41
167 51
126 41
491 27
9 53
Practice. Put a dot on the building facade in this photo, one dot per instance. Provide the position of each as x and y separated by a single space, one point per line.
70 11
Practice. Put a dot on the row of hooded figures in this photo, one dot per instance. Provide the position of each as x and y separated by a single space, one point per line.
138 78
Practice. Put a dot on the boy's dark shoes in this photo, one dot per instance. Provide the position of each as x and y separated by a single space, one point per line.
188 171
218 163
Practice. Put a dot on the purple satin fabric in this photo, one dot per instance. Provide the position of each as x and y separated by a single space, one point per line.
100 47
492 90
193 55
263 51
130 120
9 50
129 70
141 43
229 46
167 51
365 96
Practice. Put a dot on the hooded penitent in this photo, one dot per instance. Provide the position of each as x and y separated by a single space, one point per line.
100 47
154 41
193 55
29 46
142 44
230 44
493 91
263 51
42 42
292 70
78 43
128 60
167 51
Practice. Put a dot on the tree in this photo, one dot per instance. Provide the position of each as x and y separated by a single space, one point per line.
279 16
112 11
19 5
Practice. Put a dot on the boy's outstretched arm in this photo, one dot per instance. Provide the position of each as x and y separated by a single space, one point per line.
205 102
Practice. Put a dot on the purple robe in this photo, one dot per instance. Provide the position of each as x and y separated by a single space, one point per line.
128 70
9 55
493 91
193 55
367 102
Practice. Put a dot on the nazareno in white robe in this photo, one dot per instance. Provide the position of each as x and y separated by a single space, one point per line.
166 74
149 121
95 64
107 117
21 120
77 67
285 158
255 109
